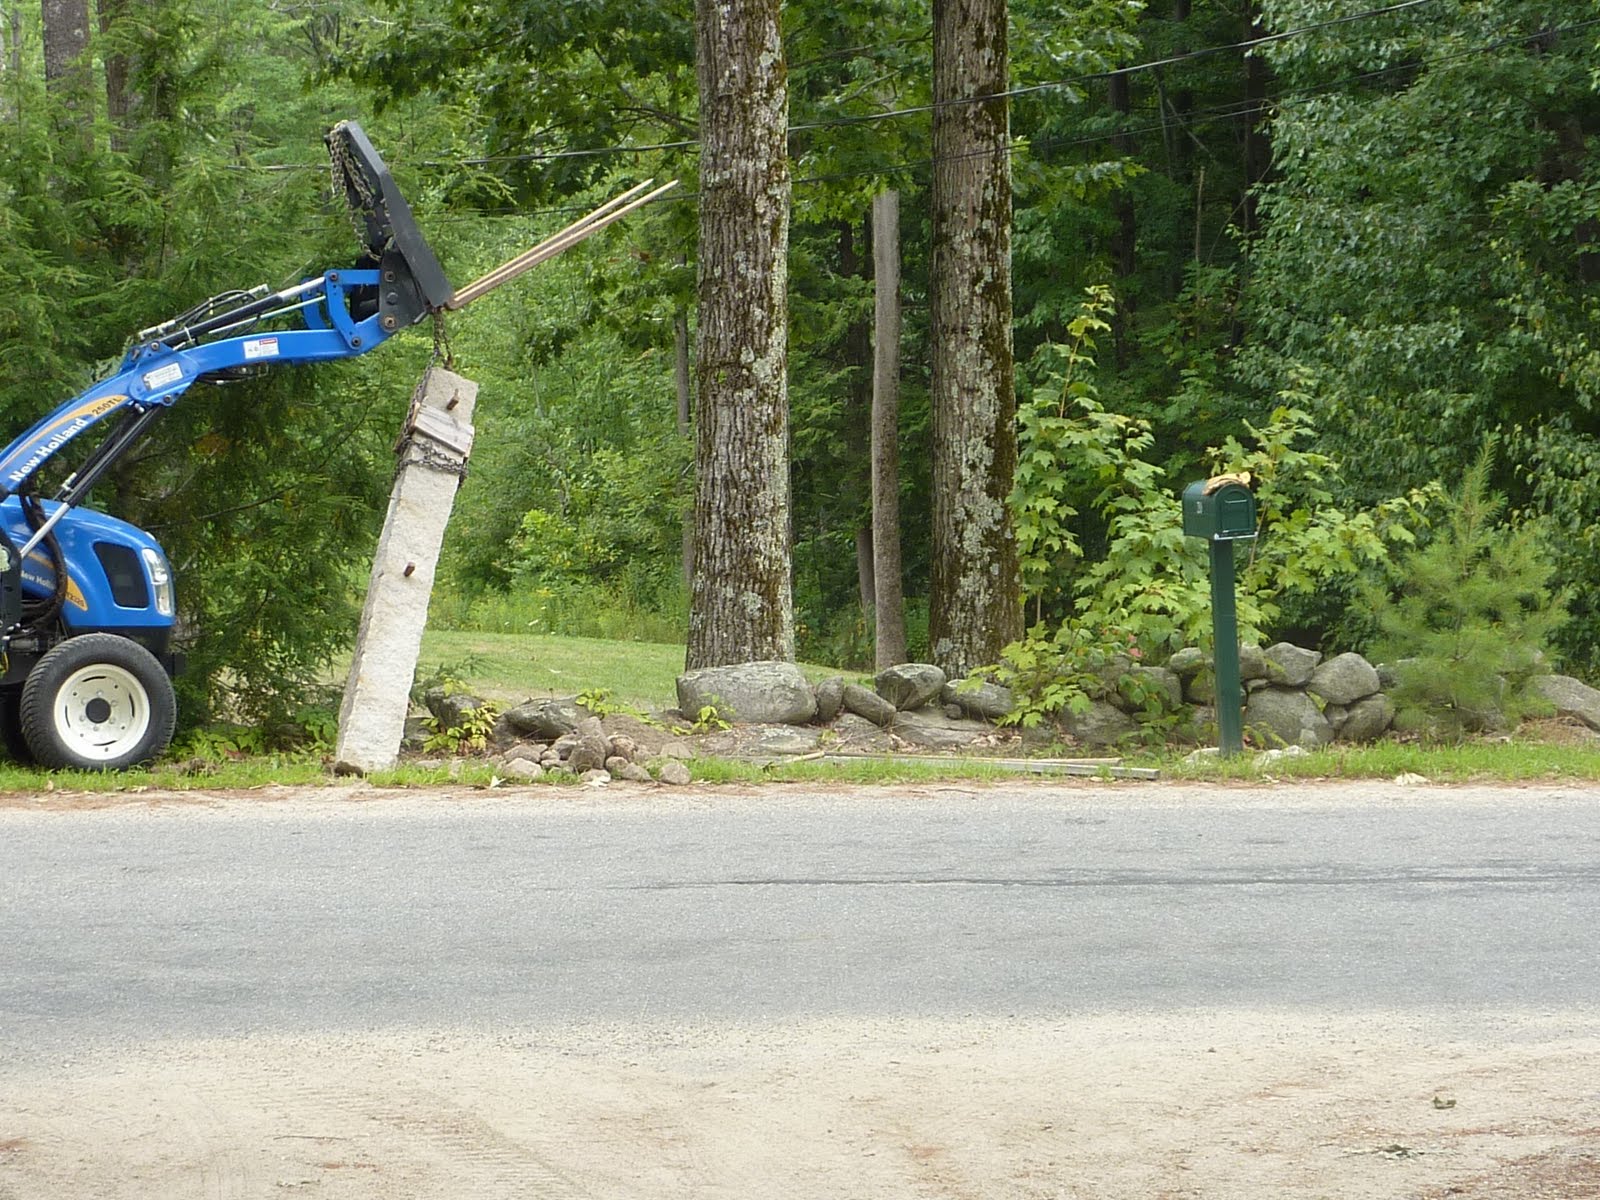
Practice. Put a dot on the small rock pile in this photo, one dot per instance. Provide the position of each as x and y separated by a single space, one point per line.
540 737
1293 698
909 707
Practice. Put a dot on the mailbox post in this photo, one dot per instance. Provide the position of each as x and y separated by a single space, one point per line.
1223 511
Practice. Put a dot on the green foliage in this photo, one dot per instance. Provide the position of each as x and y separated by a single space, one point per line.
1066 442
709 719
1468 618
1065 669
448 676
1429 252
469 736
1078 460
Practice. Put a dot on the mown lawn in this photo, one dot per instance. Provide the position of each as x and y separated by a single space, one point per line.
515 666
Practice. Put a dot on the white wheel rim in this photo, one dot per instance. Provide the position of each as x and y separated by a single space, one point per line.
101 712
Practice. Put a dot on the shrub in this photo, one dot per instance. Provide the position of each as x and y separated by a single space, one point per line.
1468 617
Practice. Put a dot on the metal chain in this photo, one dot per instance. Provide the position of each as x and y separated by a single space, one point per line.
347 178
427 456
441 342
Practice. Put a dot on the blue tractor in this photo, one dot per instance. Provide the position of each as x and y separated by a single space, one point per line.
87 603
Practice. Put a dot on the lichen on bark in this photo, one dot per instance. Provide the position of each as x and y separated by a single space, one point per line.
741 607
976 585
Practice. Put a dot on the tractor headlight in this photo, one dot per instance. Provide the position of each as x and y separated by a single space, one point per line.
160 581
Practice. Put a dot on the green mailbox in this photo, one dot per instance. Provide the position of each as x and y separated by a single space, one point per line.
1219 508
1222 510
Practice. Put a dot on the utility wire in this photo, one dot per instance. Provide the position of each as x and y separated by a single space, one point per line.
1110 73
1204 116
894 114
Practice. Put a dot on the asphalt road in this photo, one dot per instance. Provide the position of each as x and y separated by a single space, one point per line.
504 909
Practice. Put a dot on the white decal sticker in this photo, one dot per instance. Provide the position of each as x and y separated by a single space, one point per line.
162 376
261 348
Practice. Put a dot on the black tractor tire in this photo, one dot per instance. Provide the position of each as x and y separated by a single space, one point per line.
16 746
98 702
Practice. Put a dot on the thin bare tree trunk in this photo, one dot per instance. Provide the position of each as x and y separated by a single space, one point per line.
119 97
11 32
742 605
888 601
1124 242
976 606
865 584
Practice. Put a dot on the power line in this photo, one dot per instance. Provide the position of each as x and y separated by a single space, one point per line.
1221 112
892 114
1096 76
1209 115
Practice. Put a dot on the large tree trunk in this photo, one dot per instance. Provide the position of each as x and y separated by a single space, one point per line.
66 43
976 603
742 606
67 70
889 604
680 377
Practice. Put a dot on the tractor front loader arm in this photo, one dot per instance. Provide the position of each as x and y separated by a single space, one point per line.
396 282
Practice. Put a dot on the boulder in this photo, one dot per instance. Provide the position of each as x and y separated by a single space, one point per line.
1283 717
545 720
632 772
1100 724
866 703
1201 686
1109 675
520 768
591 749
752 693
979 698
1252 662
1337 715
1137 681
532 751
450 708
909 685
1188 661
1290 666
1570 697
1344 679
931 730
623 746
852 734
672 771
1389 673
1367 720
785 739
416 733
830 698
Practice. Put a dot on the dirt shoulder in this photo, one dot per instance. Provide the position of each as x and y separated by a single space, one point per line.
1235 1105
342 793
